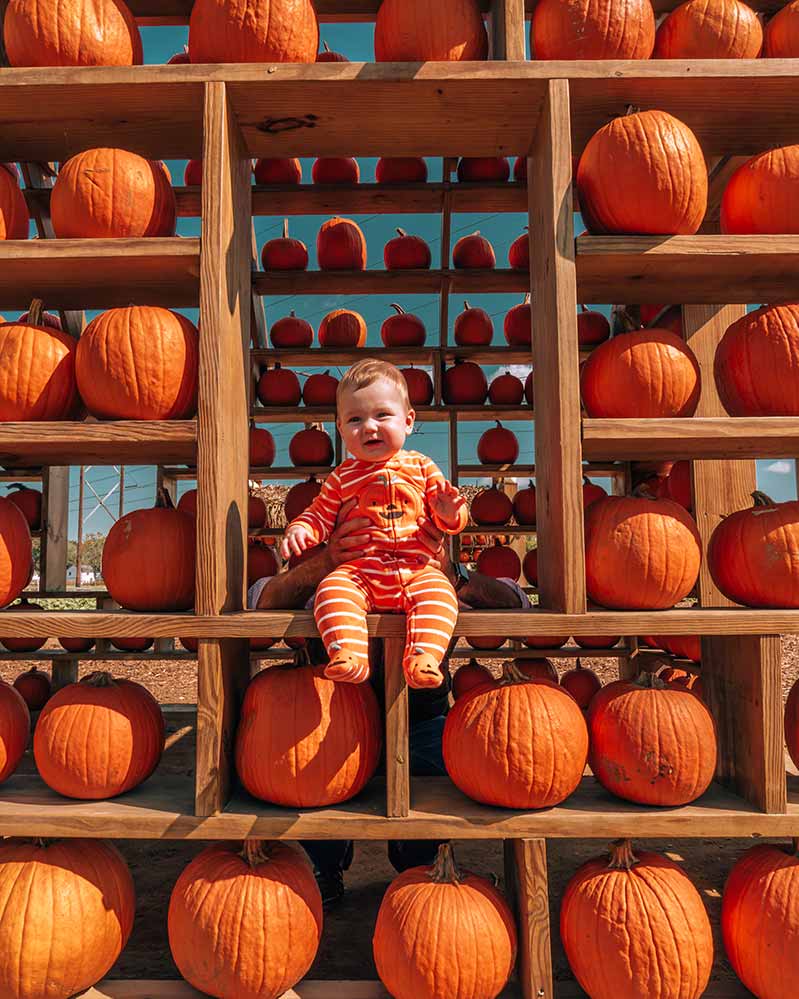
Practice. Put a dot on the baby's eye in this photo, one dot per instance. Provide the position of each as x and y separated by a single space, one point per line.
354 419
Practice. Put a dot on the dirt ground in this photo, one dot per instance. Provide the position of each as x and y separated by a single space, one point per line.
345 951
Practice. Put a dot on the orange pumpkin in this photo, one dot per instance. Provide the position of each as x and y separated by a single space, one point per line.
497 446
483 169
291 332
253 31
320 389
16 552
473 252
254 960
77 644
591 492
524 506
13 209
709 29
518 324
139 363
472 674
342 329
66 33
592 29
277 170
505 390
400 170
781 37
406 252
662 189
473 327
34 685
335 170
420 386
491 507
341 246
284 253
29 502
262 447
677 484
311 447
583 684
300 497
536 669
278 386
403 329
327 56
261 560
464 384
416 31
760 197
15 724
592 327
530 567
640 554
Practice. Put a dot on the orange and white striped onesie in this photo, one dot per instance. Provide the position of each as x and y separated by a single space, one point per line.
393 494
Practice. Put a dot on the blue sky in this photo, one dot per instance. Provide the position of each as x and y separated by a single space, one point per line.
355 41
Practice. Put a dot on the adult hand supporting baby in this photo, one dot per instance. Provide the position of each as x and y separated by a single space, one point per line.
350 539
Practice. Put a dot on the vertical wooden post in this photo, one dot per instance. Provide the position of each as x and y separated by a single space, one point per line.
55 529
561 555
222 439
398 770
64 671
508 30
528 889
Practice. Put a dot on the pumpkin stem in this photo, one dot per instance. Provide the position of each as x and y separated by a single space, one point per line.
579 664
401 232
35 312
762 499
632 109
794 847
100 678
255 852
512 674
325 46
163 500
583 308
41 842
527 298
397 308
285 228
649 681
622 857
445 870
466 305
17 485
301 657
624 319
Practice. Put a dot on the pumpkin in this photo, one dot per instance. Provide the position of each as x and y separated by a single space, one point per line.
591 492
311 447
149 559
545 642
643 374
486 643
420 386
284 253
677 484
756 366
792 723
16 552
406 252
400 170
98 738
341 246
684 646
300 497
592 29
635 926
279 387
582 684
759 920
536 669
29 502
500 562
13 208
37 371
451 31
673 677
188 502
709 29
491 507
189 644
23 644
48 319
278 170
67 915
473 327
505 390
291 333
472 674
15 723
253 31
335 170
519 252
529 389
651 743
662 189
253 958
753 554
261 560
34 686
342 329
597 641
497 446
77 644
193 174
520 744
327 56
464 384
322 752
112 193
518 324
640 554
320 389
133 644
473 252
63 33
262 447
139 363
760 197
520 170
530 567
592 327
781 37
524 506
403 329
482 169
179 58
256 511
443 933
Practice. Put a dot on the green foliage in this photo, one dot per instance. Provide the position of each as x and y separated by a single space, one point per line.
91 552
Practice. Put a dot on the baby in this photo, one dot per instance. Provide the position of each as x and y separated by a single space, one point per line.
396 489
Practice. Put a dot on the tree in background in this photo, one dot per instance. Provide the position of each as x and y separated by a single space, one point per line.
91 556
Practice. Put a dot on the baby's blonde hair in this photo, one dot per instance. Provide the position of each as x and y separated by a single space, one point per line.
368 371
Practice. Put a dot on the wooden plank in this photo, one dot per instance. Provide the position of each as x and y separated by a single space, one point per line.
324 357
424 414
508 30
398 770
561 567
63 671
68 443
304 990
55 527
527 882
402 282
99 273
742 682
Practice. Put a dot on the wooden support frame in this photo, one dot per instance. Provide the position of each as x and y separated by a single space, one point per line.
527 887
398 770
508 30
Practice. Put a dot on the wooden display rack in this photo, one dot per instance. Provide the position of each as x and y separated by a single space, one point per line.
546 111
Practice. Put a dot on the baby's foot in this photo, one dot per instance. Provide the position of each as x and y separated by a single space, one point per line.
421 670
345 667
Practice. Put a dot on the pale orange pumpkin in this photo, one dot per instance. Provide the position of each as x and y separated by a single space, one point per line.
418 31
253 31
592 29
13 209
71 33
709 29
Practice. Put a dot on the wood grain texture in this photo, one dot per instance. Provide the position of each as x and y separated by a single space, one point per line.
424 414
561 559
64 671
398 769
526 870
112 443
742 682
403 282
55 528
508 30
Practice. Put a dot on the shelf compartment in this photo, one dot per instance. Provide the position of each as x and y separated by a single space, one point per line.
120 442
401 282
424 414
324 357
174 989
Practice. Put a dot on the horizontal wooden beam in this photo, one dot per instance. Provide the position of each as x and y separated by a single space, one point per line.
328 357
120 442
407 282
697 437
424 414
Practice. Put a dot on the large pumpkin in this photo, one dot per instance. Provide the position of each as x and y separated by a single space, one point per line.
781 37
760 197
634 926
710 29
305 741
342 329
13 209
253 31
753 554
255 950
37 371
98 738
417 31
139 363
16 551
521 744
640 554
341 246
662 187
756 366
149 559
643 374
443 933
651 743
592 29
70 33
15 724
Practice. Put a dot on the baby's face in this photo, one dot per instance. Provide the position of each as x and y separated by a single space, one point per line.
374 421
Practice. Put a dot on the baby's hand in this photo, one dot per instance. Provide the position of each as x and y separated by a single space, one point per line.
296 540
446 503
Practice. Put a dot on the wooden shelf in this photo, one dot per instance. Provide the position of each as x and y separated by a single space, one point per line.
99 273
496 471
402 282
120 442
697 437
424 414
510 529
323 357
303 990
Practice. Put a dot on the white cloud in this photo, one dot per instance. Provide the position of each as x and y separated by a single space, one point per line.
780 467
520 370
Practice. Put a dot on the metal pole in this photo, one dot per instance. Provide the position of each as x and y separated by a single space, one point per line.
121 490
80 525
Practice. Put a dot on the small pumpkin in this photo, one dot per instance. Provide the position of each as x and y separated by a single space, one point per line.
135 644
483 169
311 447
29 502
791 721
545 642
518 324
335 170
464 384
709 29
342 329
591 492
16 552
473 252
179 58
486 643
15 724
537 669
278 170
23 644
530 567
327 56
472 674
497 446
320 389
473 327
300 497
491 508
400 170
781 37
13 208
760 197
259 31
597 641
76 644
499 561
256 512
279 387
520 170
677 484
34 685
592 29
592 327
284 253
505 390
341 246
261 560
583 684
403 329
451 31
420 386
193 174
524 506
262 447
529 389
63 33
519 252
405 252
291 333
